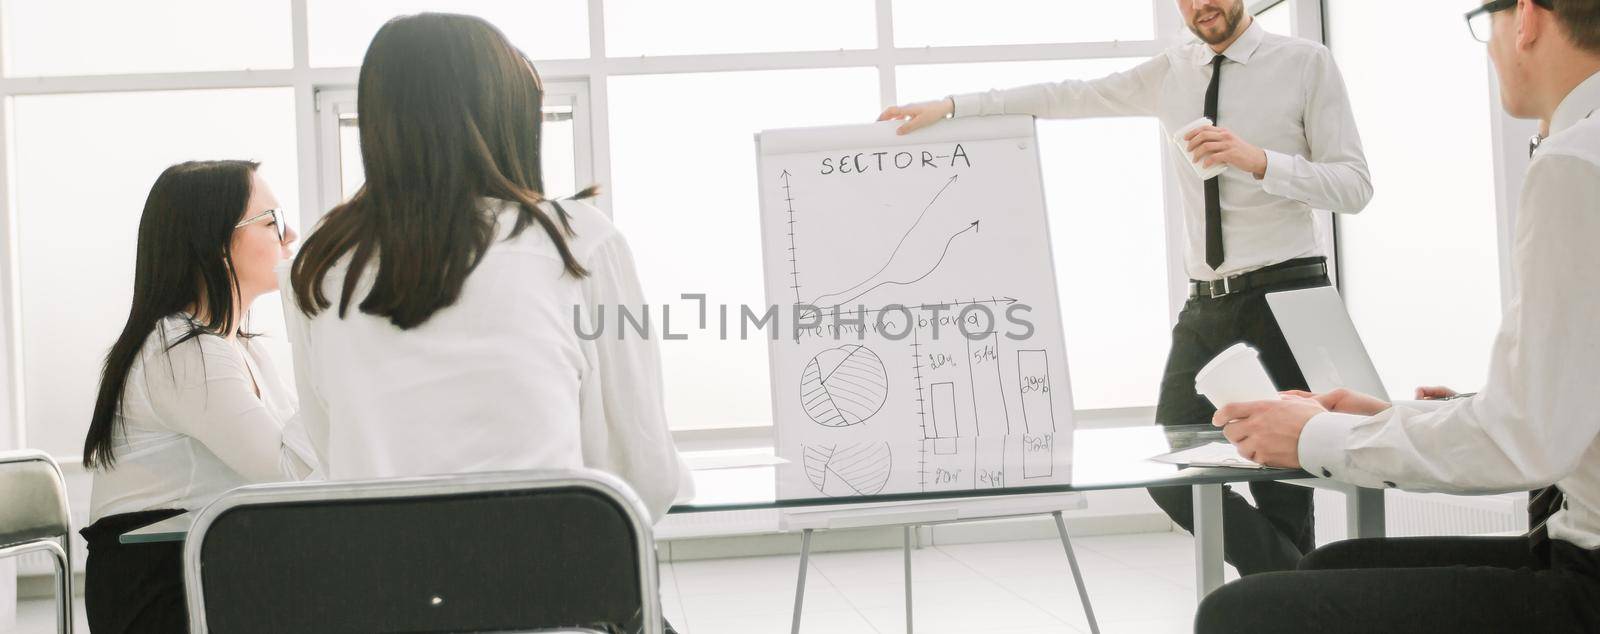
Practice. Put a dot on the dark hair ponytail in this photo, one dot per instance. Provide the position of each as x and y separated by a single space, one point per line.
450 113
183 260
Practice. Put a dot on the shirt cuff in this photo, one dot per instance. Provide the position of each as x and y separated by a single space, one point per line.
1280 174
1324 443
1421 406
967 105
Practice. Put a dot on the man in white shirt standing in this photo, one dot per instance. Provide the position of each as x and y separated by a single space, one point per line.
1285 132
1534 426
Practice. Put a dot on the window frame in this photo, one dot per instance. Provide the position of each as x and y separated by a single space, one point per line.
320 93
334 103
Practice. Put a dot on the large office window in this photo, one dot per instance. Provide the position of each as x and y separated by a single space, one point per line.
688 27
58 37
546 29
1420 264
669 140
685 195
967 23
84 164
1103 189
1276 18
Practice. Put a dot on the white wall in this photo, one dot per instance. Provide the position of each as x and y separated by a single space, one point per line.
1427 249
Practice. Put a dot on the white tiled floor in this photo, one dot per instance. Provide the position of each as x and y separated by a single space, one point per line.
38 616
1138 583
1142 583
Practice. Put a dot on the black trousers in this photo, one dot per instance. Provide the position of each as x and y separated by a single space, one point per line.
133 588
1275 533
1422 584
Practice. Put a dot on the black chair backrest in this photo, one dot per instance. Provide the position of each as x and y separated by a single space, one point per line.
499 560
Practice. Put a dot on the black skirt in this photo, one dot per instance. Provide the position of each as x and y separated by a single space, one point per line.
133 587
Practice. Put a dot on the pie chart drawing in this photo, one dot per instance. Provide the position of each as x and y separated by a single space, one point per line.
844 386
848 470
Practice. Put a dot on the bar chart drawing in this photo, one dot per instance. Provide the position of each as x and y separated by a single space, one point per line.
987 386
1033 379
1038 414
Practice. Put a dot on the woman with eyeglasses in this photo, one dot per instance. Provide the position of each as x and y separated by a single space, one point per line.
189 406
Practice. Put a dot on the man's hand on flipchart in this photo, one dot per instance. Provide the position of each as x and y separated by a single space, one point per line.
1212 145
1268 432
919 115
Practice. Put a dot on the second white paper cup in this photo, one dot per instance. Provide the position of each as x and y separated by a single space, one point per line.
1205 173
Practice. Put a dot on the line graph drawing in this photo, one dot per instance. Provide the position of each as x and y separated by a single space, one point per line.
844 386
897 259
896 251
848 470
973 226
931 269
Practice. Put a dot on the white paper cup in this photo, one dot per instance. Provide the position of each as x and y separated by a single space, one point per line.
1235 376
1205 173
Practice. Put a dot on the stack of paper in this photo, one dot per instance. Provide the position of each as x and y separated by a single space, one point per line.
1216 454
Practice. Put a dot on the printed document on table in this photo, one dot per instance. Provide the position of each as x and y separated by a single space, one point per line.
1216 454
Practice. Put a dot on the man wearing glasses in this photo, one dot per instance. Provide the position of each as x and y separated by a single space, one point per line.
1533 427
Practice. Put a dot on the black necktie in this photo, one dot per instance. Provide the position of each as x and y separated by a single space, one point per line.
1542 504
1214 254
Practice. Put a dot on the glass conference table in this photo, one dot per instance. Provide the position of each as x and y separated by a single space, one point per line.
1102 459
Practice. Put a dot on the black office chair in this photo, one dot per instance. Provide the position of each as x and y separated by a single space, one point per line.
487 552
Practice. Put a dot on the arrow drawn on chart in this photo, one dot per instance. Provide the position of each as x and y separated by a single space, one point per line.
896 251
971 227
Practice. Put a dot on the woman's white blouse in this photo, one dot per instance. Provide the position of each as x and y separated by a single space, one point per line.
192 426
500 379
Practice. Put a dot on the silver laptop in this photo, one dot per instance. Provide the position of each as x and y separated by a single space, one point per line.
1324 341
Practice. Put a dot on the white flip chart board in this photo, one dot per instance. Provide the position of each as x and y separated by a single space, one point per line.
919 345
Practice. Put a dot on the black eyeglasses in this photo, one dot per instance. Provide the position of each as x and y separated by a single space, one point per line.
1478 19
274 215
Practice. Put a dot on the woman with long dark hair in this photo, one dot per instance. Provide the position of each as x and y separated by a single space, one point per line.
436 329
189 406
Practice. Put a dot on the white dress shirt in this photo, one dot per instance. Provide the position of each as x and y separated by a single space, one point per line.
499 380
1535 422
1281 94
192 427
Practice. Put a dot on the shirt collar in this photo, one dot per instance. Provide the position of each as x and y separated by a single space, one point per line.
1240 51
1578 104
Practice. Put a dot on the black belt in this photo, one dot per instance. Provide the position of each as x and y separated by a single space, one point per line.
1291 271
